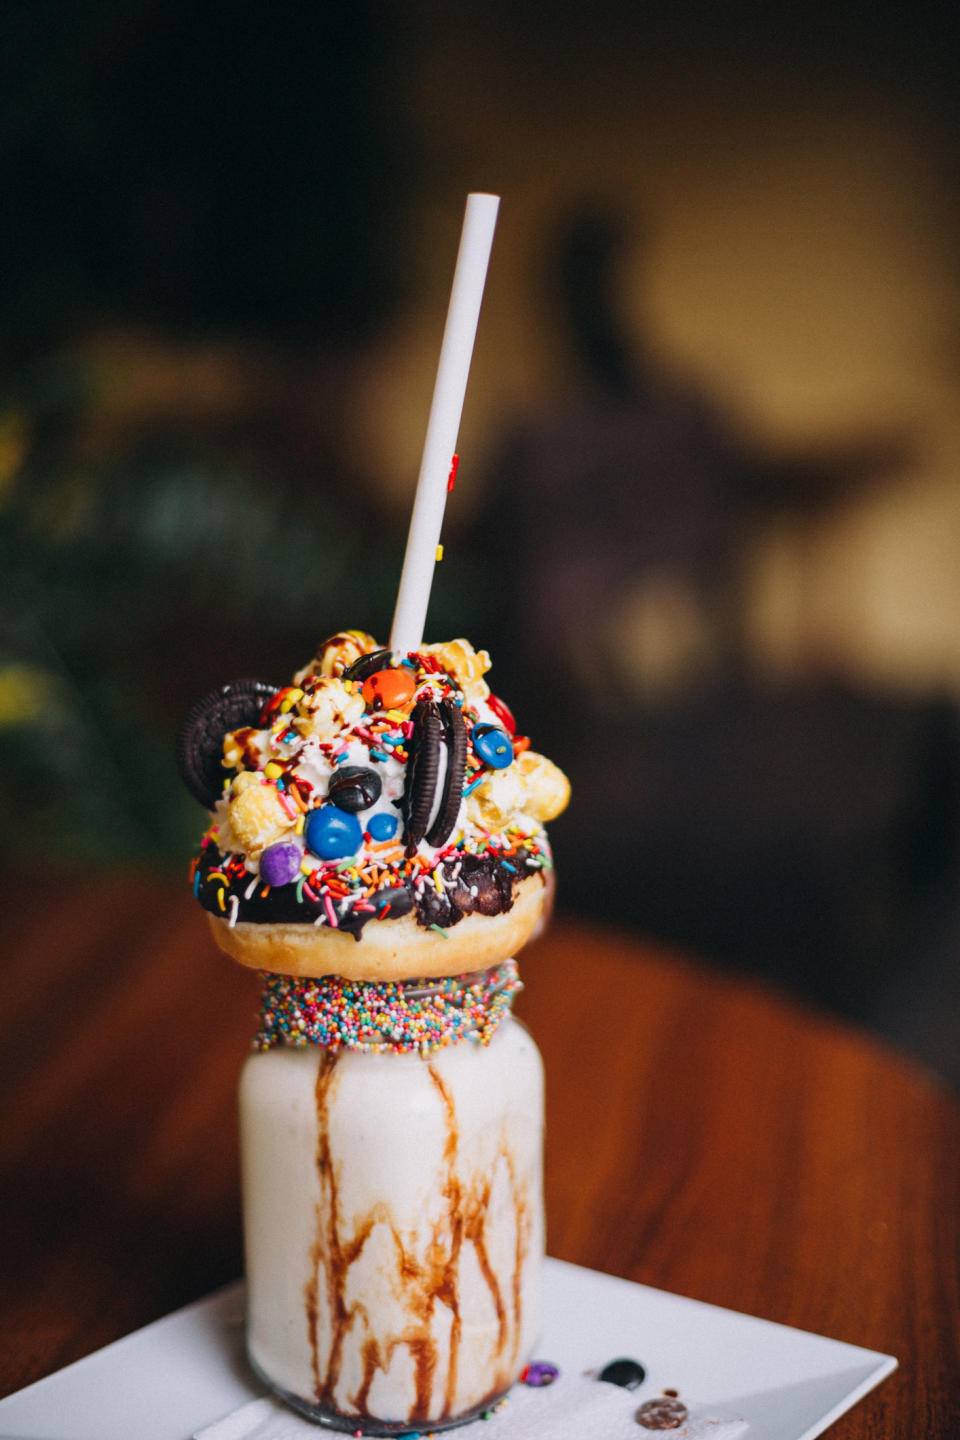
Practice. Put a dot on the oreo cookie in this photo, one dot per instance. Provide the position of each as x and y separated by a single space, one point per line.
200 742
423 769
455 739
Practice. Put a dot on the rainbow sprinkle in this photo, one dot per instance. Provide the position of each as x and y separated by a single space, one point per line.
415 1016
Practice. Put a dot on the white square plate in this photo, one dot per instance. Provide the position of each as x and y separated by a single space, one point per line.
187 1370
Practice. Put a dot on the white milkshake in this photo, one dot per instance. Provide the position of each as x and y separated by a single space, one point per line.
394 1227
381 819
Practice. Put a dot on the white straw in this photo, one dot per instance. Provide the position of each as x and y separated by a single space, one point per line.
439 446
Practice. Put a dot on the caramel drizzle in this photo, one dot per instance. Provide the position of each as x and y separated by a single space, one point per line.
447 1291
524 1228
326 1249
423 1282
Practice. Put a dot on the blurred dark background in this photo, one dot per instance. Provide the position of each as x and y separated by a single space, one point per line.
707 517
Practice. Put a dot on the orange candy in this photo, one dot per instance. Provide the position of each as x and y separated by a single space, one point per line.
388 689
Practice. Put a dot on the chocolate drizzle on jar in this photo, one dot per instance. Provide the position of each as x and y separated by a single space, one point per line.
425 1272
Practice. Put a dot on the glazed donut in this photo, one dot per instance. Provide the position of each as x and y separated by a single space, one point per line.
389 950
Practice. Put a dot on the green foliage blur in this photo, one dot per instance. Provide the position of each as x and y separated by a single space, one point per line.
134 582
199 176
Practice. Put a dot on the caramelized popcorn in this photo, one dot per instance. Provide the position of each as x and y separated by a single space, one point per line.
466 665
327 709
547 789
255 815
532 786
337 654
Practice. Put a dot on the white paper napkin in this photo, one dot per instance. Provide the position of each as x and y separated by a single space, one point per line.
574 1407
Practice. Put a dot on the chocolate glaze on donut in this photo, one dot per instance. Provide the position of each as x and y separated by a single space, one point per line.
472 884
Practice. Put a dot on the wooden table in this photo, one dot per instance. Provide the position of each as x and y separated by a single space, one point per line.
704 1136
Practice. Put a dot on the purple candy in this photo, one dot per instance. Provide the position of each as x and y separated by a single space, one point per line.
539 1372
280 863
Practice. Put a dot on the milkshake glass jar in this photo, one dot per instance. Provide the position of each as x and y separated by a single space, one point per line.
392 1194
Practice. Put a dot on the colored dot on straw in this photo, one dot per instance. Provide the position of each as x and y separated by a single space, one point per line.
439 553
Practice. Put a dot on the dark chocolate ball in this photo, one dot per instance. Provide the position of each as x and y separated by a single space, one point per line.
627 1373
354 788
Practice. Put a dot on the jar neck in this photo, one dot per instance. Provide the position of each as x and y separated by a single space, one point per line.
395 1017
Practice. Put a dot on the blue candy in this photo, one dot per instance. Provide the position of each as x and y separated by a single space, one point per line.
382 826
493 746
333 834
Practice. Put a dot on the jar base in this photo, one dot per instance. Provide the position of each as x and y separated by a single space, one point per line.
365 1425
